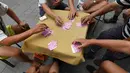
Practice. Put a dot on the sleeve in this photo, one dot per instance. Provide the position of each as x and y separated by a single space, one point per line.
42 1
3 8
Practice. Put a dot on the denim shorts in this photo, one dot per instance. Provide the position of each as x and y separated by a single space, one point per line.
62 6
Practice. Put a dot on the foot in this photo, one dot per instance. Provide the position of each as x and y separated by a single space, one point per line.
111 20
90 68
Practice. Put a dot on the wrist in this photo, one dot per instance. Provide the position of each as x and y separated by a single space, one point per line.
91 41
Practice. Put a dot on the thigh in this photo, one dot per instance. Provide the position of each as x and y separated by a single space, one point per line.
17 29
45 68
54 68
9 51
110 67
62 6
112 33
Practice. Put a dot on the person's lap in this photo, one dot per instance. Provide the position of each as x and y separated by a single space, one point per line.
62 6
110 67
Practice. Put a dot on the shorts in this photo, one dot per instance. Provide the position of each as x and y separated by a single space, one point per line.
62 6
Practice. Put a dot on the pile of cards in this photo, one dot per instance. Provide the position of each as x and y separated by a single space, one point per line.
67 25
75 47
52 45
47 32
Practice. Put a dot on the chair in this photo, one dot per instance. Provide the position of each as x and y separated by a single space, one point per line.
4 29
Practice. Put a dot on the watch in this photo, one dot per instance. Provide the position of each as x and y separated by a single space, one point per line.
94 1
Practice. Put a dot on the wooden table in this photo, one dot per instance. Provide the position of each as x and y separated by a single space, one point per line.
38 43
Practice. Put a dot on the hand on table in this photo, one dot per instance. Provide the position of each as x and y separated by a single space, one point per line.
87 19
72 14
39 27
84 43
58 21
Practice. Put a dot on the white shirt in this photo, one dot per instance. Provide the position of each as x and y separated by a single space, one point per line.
3 9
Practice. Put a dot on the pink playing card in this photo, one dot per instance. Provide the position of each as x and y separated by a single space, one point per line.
52 45
67 26
47 32
75 47
80 25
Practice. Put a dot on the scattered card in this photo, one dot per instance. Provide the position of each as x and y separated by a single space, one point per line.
52 45
72 20
47 32
74 47
67 26
80 25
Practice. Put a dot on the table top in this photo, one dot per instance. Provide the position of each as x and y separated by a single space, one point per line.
38 43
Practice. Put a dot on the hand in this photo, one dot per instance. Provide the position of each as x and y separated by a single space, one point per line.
87 19
39 27
58 21
24 26
84 43
72 14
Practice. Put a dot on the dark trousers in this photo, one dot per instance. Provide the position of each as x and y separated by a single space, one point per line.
112 33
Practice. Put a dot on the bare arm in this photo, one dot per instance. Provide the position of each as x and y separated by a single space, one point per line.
20 37
109 7
113 45
73 11
13 15
48 10
71 4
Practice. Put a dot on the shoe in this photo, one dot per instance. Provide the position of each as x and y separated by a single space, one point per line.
111 20
90 68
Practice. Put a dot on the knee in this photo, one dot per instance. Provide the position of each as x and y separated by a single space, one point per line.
16 52
106 64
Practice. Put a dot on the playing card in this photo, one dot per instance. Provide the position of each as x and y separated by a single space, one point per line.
67 26
52 45
47 32
75 47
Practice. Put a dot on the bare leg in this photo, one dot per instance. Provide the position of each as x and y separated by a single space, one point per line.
110 67
45 68
17 29
14 52
54 68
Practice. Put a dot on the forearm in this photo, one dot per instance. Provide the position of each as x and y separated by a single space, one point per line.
71 4
16 38
48 11
107 8
113 45
13 15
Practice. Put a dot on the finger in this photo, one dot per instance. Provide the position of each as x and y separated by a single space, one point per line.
82 20
77 14
81 46
69 16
